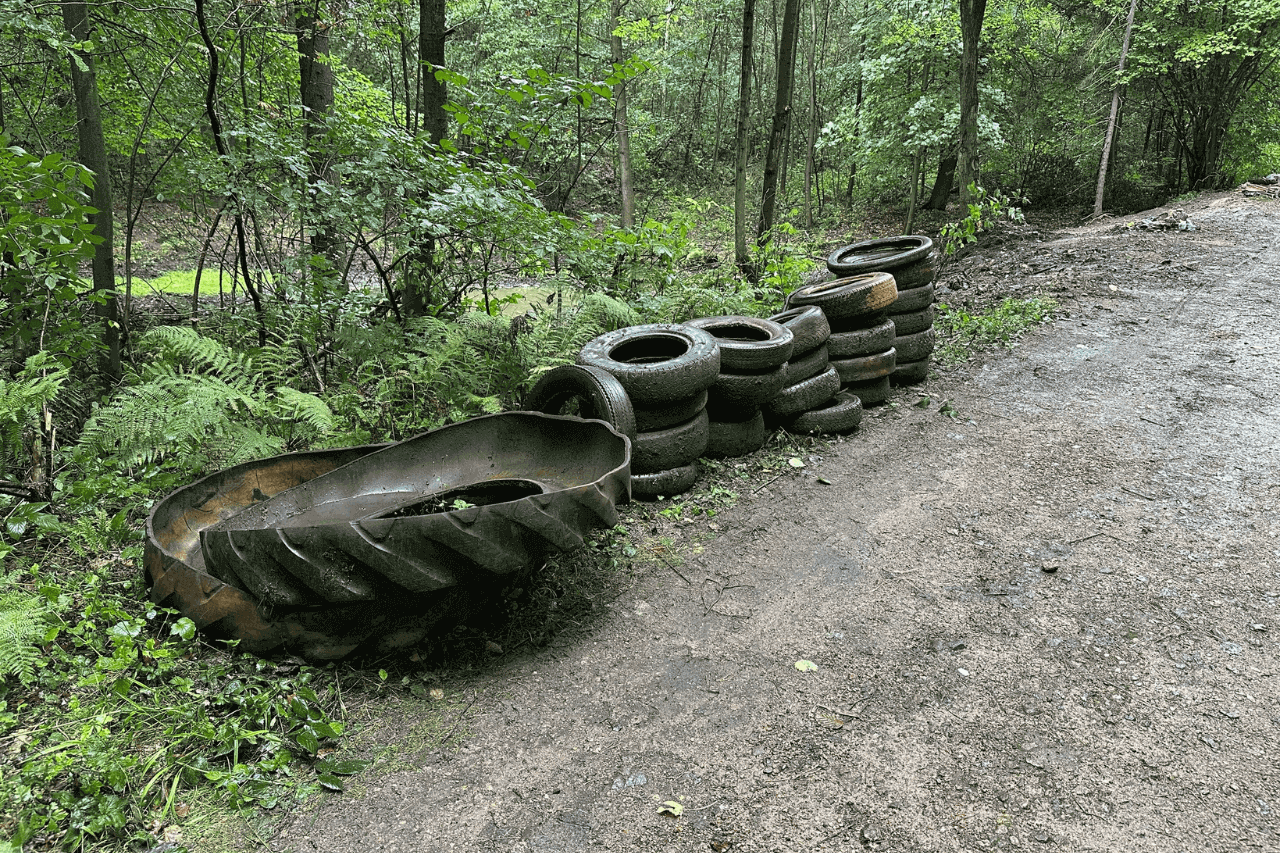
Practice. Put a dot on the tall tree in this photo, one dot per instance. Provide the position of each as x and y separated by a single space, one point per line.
740 254
93 155
971 15
1115 113
621 128
781 116
435 122
316 90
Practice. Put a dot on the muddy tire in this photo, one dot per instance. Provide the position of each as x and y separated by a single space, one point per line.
658 362
866 367
915 347
910 324
747 343
673 447
744 392
664 484
841 413
872 392
881 255
861 341
910 301
863 321
918 274
806 395
661 416
848 297
730 439
809 326
599 396
800 369
911 372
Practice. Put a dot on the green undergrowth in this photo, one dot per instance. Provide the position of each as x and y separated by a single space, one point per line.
961 333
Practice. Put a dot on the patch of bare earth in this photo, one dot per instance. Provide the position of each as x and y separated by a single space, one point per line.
1048 622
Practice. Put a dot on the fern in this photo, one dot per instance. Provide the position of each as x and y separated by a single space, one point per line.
22 624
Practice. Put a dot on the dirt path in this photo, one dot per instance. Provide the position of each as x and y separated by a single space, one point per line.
1047 623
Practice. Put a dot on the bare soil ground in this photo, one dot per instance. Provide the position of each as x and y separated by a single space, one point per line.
1044 617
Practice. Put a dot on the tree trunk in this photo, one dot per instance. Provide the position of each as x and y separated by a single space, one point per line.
741 257
315 75
421 268
971 15
93 156
781 118
917 166
1115 111
812 138
435 121
620 120
942 183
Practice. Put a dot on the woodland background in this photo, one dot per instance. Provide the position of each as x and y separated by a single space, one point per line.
232 229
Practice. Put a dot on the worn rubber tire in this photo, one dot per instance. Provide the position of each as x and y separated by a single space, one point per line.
810 364
673 447
863 321
663 415
910 301
748 343
664 484
915 347
742 392
866 367
883 254
599 396
848 297
861 341
841 413
808 324
806 395
911 372
658 362
918 274
871 392
916 321
730 439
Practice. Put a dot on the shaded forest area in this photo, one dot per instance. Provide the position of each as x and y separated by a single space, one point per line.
234 229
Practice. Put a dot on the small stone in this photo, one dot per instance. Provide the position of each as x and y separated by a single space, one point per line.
1043 837
871 834
1049 568
963 672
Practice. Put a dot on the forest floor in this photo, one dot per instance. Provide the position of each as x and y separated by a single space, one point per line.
1040 592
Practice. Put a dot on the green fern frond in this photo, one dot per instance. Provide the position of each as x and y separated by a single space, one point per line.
299 406
22 624
184 344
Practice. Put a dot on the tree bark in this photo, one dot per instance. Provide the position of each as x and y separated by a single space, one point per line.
971 15
741 256
316 90
93 156
812 138
942 183
781 118
1115 111
421 269
620 120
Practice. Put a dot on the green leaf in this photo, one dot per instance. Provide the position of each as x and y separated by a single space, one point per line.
331 782
184 628
308 741
806 666
672 808
795 462
341 768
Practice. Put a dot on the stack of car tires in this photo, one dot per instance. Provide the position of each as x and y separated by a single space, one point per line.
861 345
811 400
913 263
754 356
666 370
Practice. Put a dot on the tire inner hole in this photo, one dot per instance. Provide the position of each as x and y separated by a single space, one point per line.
473 494
745 334
649 349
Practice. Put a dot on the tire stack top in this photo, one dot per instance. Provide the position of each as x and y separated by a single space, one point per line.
860 347
913 262
666 370
811 400
754 356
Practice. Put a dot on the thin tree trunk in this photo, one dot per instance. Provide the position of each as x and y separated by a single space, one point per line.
1115 111
220 143
741 256
93 155
315 75
715 146
421 270
781 118
971 15
812 140
620 121
942 183
917 163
